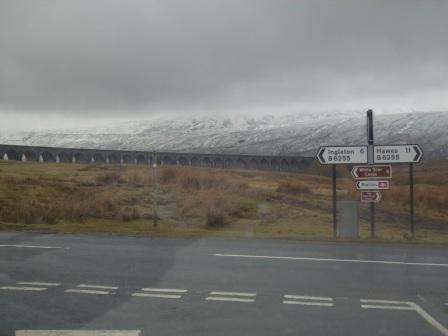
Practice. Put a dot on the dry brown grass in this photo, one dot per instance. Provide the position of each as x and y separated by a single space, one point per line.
293 187
35 212
130 214
248 202
215 217
108 178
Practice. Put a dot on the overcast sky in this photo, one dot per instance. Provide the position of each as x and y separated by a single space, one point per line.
79 61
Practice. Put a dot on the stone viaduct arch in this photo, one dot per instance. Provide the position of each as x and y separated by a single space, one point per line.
101 156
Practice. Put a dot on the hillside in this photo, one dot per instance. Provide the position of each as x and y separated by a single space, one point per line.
268 135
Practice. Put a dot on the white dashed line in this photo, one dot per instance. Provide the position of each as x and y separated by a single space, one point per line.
362 261
308 300
216 298
164 290
231 296
299 297
87 291
405 305
37 289
78 333
32 283
163 293
309 303
162 296
97 287
233 293
36 246
386 304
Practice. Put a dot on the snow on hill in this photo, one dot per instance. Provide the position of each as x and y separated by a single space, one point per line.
269 134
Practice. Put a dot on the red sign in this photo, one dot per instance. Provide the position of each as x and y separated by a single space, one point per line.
368 172
370 196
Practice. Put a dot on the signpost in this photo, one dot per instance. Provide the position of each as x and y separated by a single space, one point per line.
373 185
375 172
398 154
370 196
342 154
369 172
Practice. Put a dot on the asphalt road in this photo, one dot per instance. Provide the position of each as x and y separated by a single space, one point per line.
187 286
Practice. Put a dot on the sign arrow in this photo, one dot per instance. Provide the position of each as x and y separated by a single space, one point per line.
418 154
320 155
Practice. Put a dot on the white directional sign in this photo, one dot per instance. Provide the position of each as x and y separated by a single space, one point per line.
397 154
372 185
342 154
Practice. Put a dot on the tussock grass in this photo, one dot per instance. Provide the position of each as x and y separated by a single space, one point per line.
104 198
291 187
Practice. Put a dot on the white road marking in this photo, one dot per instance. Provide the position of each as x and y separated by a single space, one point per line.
33 283
87 291
332 260
386 301
37 289
317 298
98 287
308 300
78 333
387 307
162 296
164 290
232 293
36 246
309 303
216 298
406 305
230 296
431 320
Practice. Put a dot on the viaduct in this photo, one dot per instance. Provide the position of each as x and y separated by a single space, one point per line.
103 156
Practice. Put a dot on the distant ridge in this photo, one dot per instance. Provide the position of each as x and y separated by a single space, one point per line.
268 135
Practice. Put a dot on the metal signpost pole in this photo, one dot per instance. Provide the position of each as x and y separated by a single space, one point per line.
154 187
411 198
370 158
333 168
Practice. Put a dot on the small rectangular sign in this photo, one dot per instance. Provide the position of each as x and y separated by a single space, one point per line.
342 154
367 172
373 185
370 196
397 154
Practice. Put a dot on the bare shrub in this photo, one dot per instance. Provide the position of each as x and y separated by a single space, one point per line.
168 175
136 178
130 213
108 177
104 208
293 188
199 179
45 212
215 217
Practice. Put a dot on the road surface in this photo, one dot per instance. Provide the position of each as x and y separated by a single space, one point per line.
206 286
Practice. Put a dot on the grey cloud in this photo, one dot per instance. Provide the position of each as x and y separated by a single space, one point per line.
104 57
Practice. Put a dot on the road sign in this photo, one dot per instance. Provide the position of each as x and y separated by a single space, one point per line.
342 154
370 196
367 172
398 154
372 185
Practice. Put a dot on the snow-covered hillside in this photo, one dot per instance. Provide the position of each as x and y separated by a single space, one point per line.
269 135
